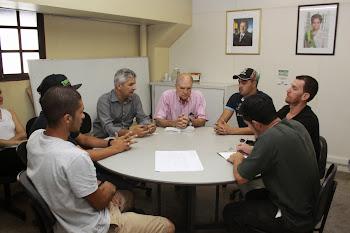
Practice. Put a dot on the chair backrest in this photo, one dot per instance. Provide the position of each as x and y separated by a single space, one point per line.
29 125
325 196
86 125
39 204
22 153
322 158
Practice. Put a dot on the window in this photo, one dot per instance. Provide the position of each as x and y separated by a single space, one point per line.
21 38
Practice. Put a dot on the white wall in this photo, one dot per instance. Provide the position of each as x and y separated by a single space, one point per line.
202 49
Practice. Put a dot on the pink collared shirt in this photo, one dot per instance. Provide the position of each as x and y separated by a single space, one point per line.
170 106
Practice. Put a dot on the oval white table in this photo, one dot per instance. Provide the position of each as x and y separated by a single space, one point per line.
139 162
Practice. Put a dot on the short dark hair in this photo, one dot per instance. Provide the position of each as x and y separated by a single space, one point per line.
316 16
311 85
259 108
244 21
59 101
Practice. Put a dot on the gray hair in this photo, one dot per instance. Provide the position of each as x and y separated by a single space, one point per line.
181 75
122 75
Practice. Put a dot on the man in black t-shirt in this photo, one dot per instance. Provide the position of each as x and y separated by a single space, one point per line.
303 89
248 85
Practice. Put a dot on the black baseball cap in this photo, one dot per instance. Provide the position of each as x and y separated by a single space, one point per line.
55 80
247 74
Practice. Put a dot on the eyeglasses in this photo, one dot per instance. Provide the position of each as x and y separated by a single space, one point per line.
249 142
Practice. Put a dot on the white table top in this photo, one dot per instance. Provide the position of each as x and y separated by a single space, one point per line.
139 162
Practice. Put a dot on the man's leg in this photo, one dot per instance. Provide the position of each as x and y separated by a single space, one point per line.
259 214
137 223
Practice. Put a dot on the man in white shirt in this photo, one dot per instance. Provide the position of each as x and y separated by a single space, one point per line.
65 176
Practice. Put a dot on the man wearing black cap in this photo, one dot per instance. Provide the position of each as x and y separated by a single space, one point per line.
110 147
248 82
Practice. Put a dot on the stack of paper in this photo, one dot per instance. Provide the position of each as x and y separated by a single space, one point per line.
172 161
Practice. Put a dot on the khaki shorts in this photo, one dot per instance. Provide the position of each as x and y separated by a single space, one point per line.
130 222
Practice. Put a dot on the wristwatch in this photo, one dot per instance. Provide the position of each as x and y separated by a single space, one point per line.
190 122
109 141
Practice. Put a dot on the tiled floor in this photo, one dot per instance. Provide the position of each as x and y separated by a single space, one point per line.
173 202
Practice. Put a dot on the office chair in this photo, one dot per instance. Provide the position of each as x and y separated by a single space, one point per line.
29 125
86 125
43 214
322 159
323 202
22 153
325 198
6 180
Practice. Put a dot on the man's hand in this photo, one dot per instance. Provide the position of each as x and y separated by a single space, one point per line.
152 128
108 187
123 143
182 121
244 148
236 158
116 200
221 127
141 130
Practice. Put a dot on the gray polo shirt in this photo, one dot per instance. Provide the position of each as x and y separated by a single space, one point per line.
112 115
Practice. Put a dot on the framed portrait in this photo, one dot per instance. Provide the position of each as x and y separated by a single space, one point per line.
243 31
317 28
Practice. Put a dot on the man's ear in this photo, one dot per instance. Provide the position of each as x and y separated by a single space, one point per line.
118 85
67 118
305 96
256 125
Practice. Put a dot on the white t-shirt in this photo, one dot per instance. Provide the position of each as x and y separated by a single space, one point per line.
63 175
7 126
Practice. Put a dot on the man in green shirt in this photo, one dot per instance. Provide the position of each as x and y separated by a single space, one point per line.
284 156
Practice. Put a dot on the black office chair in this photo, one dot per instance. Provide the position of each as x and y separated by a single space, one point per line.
22 153
43 214
322 158
29 125
323 202
325 198
6 180
86 125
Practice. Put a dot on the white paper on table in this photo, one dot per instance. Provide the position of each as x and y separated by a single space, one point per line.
227 154
172 161
189 129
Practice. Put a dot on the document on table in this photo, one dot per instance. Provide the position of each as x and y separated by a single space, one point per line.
172 161
227 154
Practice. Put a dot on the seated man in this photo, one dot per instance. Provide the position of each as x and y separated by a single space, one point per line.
65 176
248 83
117 109
110 147
303 89
284 156
181 107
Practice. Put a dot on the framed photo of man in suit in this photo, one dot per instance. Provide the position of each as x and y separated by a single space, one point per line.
317 27
243 31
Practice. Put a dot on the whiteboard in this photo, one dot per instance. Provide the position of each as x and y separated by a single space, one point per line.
96 75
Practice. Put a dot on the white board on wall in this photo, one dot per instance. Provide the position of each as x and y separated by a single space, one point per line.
96 75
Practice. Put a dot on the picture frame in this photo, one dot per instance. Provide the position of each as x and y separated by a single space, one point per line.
317 29
243 43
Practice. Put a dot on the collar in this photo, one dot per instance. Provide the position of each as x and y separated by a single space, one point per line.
114 97
178 98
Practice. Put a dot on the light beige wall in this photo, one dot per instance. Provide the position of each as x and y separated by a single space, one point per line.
16 98
80 38
74 38
202 49
169 11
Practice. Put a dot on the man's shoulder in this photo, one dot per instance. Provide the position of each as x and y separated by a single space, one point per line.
236 95
106 96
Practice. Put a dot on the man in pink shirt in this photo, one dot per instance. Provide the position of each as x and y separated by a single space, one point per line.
181 107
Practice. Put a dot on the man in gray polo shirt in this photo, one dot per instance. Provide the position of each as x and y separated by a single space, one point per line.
117 109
